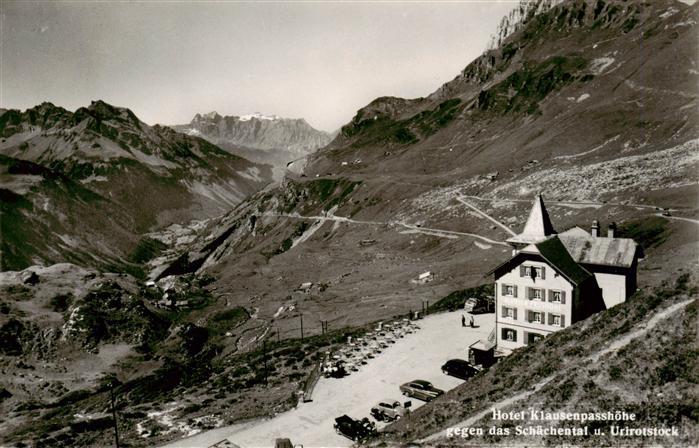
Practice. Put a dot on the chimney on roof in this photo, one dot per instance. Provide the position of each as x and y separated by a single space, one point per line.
611 230
594 230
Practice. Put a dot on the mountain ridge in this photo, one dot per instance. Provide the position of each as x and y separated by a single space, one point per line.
49 153
260 138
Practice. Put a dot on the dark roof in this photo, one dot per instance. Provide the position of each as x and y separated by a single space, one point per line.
585 248
556 254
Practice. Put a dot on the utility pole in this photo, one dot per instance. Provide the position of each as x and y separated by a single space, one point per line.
114 416
301 316
264 356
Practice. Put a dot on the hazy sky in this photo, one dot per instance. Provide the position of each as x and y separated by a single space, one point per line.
169 60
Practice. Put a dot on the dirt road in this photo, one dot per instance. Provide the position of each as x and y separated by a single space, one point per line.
486 216
409 227
417 356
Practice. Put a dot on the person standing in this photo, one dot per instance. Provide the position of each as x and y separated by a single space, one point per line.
463 320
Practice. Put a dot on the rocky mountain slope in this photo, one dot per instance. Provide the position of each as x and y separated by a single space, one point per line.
590 103
85 186
259 138
583 82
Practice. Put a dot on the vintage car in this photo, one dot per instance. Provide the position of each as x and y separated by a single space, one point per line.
420 389
388 409
459 368
355 430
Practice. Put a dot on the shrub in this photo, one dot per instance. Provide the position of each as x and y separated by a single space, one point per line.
61 302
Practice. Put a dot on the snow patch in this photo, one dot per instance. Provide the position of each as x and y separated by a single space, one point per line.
94 178
279 312
482 246
597 66
68 240
258 116
668 13
613 139
252 173
582 97
689 22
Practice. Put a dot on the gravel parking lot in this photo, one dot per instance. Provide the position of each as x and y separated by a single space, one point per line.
416 356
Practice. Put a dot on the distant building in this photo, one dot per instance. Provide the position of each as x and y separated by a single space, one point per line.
305 287
423 278
554 280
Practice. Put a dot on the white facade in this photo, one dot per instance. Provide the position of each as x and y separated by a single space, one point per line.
520 315
613 288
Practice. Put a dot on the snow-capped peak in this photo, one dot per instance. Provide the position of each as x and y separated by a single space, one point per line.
258 116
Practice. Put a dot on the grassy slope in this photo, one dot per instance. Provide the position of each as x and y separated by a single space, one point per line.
653 375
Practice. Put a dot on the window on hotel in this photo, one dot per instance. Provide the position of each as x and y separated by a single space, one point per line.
532 271
509 334
535 317
535 293
556 320
534 337
509 290
509 312
557 296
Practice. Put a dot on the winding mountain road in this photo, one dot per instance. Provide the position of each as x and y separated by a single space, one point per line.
485 215
411 227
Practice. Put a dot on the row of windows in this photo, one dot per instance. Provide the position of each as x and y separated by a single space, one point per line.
537 317
532 271
510 334
552 295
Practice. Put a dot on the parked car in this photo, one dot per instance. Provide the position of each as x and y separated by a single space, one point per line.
388 409
354 430
477 305
420 389
459 368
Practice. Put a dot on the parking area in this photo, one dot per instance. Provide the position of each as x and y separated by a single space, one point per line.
418 355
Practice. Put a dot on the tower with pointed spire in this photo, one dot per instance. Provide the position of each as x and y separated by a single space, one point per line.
538 227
